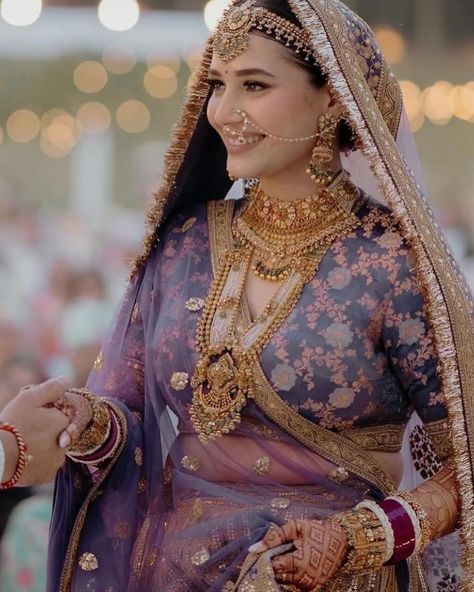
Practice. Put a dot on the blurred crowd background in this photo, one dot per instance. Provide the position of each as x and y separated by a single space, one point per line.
89 91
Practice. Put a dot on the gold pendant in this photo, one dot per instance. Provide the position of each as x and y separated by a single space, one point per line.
221 385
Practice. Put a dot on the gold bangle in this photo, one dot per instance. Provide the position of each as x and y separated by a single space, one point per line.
96 434
367 540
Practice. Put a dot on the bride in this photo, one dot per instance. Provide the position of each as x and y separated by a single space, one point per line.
280 363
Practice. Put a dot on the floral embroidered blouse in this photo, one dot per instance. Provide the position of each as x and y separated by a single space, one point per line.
355 355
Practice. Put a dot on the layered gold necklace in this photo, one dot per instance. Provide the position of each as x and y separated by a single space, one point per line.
287 241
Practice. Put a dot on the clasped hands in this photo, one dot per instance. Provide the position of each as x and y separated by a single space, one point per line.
320 549
50 419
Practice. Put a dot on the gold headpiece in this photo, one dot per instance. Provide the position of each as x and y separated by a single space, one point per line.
232 32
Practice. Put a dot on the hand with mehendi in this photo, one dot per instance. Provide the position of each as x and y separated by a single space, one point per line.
321 548
78 410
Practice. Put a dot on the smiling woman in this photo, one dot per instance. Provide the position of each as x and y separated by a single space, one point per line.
273 357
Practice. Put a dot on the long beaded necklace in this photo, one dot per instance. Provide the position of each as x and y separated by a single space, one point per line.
222 381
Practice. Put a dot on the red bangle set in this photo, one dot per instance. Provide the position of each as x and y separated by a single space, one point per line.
403 529
22 457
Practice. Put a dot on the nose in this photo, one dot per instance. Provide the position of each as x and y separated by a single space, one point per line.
227 112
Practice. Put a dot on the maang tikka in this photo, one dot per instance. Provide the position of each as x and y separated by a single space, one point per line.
319 168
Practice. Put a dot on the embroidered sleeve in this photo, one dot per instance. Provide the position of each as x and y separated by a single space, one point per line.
408 342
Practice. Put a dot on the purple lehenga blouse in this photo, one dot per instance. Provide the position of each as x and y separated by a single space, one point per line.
354 359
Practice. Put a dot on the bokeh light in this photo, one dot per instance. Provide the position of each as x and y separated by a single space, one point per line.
437 104
133 116
412 99
172 61
462 99
50 115
63 131
94 118
392 44
21 13
160 82
90 77
119 60
194 59
118 15
213 11
23 126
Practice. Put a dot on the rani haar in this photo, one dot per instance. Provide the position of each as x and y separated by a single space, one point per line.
286 241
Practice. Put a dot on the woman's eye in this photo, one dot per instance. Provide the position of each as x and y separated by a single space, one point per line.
215 85
255 86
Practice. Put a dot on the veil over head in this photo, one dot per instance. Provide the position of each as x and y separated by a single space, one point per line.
384 165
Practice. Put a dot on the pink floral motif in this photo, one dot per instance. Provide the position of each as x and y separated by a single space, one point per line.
283 377
339 334
390 240
342 398
339 278
411 330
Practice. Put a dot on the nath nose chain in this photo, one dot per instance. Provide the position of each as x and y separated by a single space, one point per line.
248 124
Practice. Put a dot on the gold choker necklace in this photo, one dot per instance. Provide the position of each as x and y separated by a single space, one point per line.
281 233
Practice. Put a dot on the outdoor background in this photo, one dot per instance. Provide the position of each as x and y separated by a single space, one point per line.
88 94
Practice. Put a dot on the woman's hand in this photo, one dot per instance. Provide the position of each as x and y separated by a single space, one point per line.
320 550
78 410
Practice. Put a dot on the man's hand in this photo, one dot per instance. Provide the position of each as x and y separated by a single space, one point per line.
40 425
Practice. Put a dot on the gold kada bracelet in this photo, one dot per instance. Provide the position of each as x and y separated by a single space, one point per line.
367 540
98 430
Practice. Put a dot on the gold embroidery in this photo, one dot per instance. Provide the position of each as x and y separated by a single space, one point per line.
280 503
200 557
188 224
440 436
99 362
138 456
179 380
262 466
135 312
190 463
339 475
197 509
88 562
141 487
195 304
381 438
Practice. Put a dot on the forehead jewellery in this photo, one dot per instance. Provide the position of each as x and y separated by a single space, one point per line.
231 36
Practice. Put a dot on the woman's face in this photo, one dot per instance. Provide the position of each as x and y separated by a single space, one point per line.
278 96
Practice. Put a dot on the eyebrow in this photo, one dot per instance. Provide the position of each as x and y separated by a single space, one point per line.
246 72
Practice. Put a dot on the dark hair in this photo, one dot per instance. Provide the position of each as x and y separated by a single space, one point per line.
311 67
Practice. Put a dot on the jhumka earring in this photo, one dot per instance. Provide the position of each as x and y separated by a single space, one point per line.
319 168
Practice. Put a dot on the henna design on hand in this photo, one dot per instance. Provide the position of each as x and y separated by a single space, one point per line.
439 497
320 550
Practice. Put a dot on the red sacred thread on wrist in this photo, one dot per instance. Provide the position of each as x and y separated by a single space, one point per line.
22 457
403 530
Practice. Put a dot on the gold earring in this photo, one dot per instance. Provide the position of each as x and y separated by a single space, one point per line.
319 168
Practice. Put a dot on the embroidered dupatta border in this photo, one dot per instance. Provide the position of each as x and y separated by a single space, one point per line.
449 304
329 445
71 553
